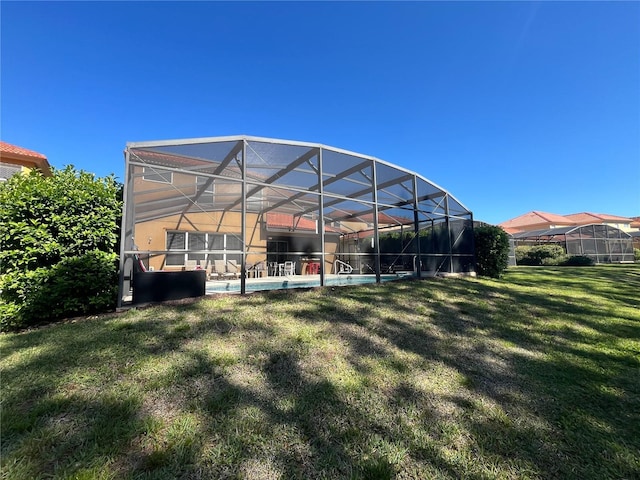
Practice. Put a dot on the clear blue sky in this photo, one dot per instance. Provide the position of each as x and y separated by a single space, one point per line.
511 106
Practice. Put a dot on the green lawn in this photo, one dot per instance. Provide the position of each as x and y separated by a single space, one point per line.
536 375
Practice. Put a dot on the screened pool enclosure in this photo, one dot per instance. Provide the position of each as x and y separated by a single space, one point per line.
600 242
249 214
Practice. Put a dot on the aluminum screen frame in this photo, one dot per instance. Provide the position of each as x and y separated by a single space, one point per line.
241 187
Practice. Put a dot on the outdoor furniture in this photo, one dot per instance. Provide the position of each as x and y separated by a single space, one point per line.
221 270
256 270
191 265
309 266
259 268
206 266
161 285
233 268
273 269
250 270
289 268
342 267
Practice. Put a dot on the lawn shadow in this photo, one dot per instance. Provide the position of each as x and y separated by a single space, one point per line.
529 384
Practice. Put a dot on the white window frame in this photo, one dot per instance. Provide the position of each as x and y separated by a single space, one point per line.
184 252
148 172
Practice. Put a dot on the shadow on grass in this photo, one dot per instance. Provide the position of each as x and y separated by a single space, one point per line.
571 380
537 384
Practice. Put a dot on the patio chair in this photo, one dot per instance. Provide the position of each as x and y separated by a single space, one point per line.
289 268
259 268
221 270
273 269
206 266
191 265
249 270
233 269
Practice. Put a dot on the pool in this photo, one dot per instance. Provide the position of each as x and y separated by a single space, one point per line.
297 281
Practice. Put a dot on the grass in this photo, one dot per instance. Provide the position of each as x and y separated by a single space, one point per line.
536 375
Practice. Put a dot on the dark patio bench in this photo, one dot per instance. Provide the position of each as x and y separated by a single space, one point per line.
159 286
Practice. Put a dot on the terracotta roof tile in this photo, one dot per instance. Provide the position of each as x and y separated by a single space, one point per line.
8 148
536 218
588 217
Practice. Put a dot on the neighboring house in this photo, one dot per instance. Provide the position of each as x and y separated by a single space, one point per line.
541 220
586 218
635 231
602 237
536 221
14 159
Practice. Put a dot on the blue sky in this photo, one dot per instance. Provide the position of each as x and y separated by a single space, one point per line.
511 106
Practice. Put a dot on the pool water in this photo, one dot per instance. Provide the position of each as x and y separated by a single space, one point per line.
279 283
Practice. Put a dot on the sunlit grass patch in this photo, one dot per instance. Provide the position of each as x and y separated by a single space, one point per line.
530 376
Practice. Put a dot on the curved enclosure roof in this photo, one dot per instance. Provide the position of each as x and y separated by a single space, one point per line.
267 213
283 176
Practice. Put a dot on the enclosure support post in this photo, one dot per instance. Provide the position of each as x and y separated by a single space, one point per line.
416 227
473 244
243 227
448 220
321 219
126 226
376 236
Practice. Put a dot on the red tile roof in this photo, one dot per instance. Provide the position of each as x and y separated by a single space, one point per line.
536 218
588 217
12 154
285 220
14 149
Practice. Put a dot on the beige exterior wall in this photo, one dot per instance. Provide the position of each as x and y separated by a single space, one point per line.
152 235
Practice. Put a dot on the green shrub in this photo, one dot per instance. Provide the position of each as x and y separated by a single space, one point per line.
522 253
557 260
540 255
57 246
636 254
76 286
578 261
549 255
492 250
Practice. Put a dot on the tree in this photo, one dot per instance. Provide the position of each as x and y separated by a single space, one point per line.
492 250
57 246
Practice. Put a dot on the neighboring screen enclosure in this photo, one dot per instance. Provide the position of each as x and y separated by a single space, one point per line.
600 242
257 213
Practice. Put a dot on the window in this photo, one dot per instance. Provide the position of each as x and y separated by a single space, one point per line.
8 170
233 243
156 175
197 245
176 241
197 242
